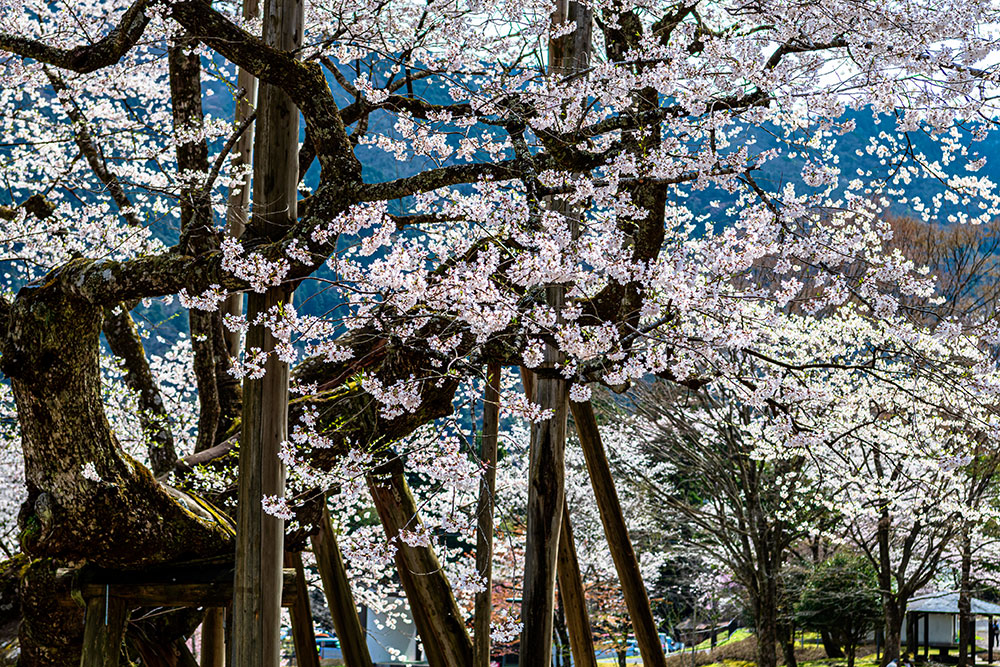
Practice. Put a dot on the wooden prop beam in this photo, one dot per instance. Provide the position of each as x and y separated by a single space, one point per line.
339 597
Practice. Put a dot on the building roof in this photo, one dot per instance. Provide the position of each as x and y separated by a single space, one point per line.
947 603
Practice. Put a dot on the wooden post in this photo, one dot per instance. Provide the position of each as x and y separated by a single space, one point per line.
260 536
546 485
238 208
581 637
622 553
972 641
545 504
989 642
300 612
484 511
213 638
104 628
432 604
339 597
927 637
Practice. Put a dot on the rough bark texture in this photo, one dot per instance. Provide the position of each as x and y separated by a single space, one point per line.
765 619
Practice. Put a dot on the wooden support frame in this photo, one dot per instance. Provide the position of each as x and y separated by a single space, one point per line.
339 598
185 587
213 638
616 532
484 511
303 635
581 635
104 630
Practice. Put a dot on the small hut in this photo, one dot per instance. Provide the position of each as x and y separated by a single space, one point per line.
932 622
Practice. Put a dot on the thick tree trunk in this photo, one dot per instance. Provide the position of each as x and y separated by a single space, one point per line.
484 512
893 625
830 646
87 500
766 618
787 636
260 537
892 613
616 532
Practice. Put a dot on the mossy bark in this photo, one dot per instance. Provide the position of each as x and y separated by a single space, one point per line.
121 517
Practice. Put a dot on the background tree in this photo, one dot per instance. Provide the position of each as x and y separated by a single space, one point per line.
842 598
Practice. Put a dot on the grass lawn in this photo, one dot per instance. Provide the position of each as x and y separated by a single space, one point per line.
733 652
738 636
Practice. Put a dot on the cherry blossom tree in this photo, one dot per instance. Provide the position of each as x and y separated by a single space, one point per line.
435 134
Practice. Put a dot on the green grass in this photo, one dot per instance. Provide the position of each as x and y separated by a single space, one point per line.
738 636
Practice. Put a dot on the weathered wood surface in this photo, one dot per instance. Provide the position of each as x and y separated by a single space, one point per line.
208 586
435 612
213 638
581 636
568 55
339 598
103 631
260 536
484 511
300 611
619 543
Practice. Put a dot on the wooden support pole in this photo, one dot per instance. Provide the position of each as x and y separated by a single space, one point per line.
616 532
568 55
546 491
303 635
432 604
104 629
339 598
209 591
581 638
989 642
927 636
238 206
484 511
574 601
213 638
260 536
